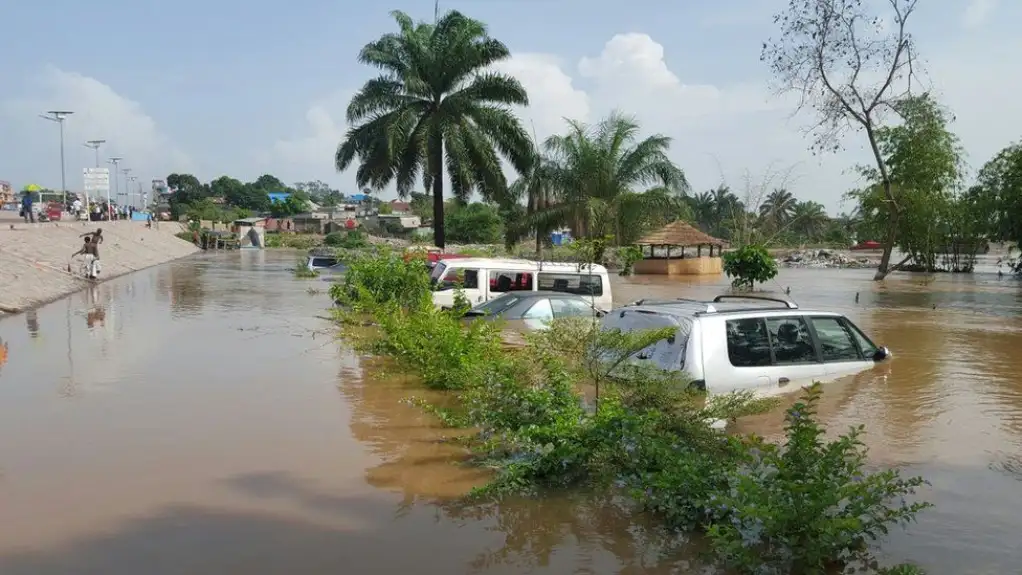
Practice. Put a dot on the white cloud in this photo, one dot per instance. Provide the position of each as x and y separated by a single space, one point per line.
30 145
312 156
977 12
721 132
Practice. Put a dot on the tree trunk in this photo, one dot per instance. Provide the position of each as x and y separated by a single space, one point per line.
892 236
436 166
892 230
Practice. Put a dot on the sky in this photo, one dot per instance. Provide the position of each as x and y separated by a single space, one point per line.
242 89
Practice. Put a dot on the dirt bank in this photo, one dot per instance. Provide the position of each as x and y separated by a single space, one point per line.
34 257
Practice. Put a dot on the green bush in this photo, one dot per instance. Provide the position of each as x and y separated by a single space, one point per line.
801 508
377 281
749 265
351 239
809 505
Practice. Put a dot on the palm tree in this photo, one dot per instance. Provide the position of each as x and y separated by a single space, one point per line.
595 170
533 186
702 205
809 219
777 209
436 105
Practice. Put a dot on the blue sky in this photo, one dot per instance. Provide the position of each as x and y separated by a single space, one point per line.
248 88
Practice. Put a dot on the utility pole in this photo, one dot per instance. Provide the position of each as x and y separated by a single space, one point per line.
114 160
436 11
59 116
95 144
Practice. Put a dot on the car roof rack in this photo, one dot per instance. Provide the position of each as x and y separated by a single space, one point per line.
787 303
708 307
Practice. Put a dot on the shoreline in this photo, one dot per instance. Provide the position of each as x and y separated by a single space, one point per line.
34 258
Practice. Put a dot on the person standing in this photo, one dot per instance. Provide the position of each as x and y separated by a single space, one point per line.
26 207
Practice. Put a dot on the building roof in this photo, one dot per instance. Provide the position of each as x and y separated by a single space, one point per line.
254 220
679 234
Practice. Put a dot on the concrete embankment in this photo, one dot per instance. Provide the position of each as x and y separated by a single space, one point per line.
34 258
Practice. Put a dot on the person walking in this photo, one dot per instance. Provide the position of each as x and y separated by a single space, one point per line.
90 265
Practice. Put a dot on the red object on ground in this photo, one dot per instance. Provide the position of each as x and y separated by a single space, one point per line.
868 245
350 224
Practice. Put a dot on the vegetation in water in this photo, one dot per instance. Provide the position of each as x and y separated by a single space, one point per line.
801 506
749 265
302 270
349 239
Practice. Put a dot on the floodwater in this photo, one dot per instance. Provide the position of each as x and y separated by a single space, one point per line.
199 418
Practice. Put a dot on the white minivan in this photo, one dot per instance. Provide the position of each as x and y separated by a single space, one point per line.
482 279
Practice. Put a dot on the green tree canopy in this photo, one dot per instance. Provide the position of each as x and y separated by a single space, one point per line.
598 174
437 104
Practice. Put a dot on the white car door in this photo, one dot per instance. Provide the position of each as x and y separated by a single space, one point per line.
796 363
838 348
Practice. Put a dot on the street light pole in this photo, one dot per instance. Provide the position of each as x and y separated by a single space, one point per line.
114 160
59 116
95 144
127 184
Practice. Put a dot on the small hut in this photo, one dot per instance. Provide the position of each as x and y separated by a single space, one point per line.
680 249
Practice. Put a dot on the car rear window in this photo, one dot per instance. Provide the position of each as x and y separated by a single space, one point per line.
665 354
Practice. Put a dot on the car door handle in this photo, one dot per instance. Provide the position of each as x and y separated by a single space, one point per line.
783 381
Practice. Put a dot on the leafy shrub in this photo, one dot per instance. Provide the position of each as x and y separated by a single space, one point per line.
628 255
749 265
808 505
350 239
373 281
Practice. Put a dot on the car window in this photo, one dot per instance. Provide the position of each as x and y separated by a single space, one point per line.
540 310
564 307
791 340
463 278
836 340
576 283
504 281
498 305
865 344
323 262
747 343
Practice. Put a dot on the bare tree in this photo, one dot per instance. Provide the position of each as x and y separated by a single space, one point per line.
852 68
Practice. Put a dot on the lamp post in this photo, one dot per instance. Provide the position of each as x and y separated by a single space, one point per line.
59 116
127 186
95 144
114 160
127 173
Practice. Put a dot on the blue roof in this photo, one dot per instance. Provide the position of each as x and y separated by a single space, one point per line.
279 196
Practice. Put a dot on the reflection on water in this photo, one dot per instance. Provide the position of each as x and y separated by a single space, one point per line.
198 418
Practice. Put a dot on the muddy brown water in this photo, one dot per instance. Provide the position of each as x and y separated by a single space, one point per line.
198 418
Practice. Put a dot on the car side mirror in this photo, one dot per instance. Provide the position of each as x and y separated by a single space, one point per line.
881 354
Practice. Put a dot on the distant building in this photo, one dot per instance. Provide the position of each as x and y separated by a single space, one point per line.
6 193
400 207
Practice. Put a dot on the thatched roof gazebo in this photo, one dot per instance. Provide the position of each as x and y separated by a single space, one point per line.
659 259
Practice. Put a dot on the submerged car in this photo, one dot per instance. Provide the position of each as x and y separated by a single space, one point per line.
532 310
323 260
763 344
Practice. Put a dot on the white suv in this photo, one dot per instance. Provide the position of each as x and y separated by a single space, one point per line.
757 343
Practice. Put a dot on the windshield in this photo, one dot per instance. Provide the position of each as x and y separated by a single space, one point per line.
438 272
496 306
